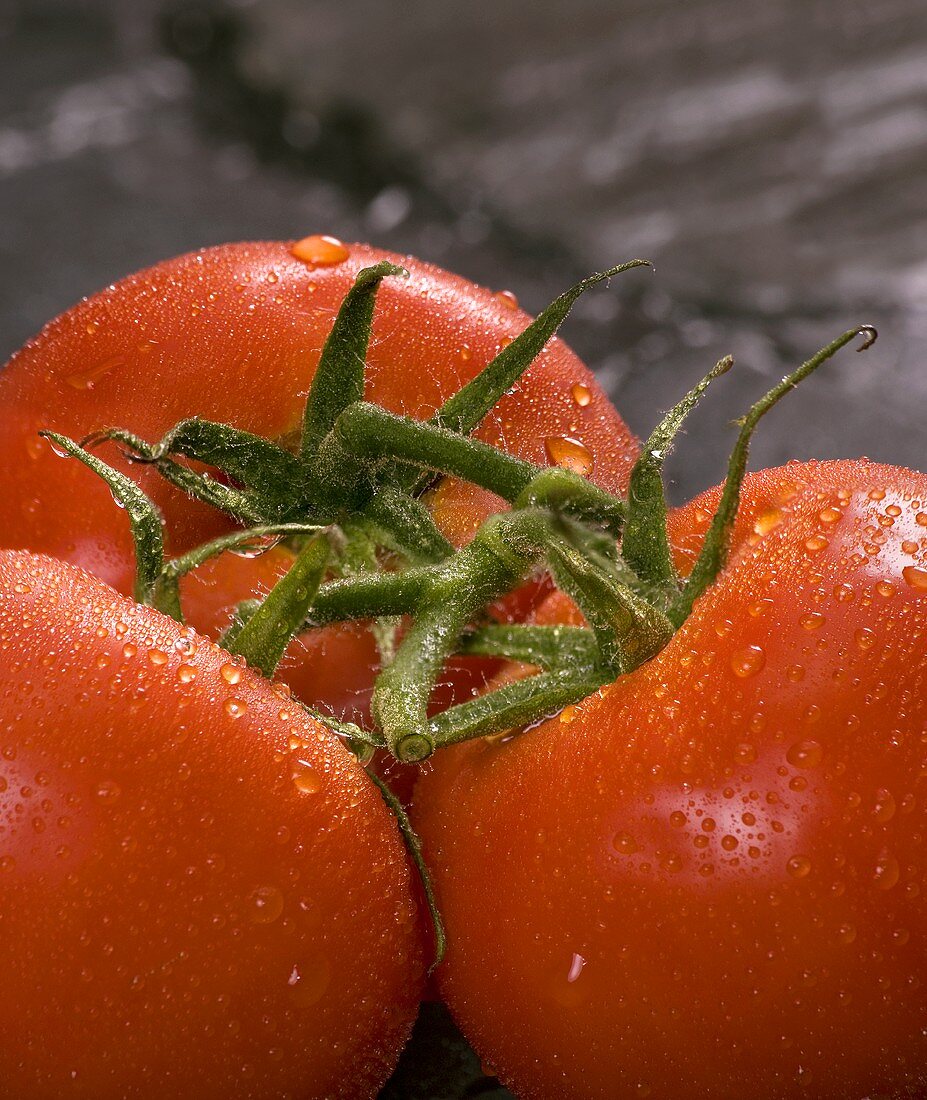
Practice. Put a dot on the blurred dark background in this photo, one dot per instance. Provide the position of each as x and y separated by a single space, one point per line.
769 156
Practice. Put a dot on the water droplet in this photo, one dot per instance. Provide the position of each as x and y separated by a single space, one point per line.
745 753
465 353
157 657
230 673
816 543
886 589
305 778
865 638
885 806
887 871
321 250
569 454
766 521
256 546
798 866
507 298
576 967
581 395
58 449
748 661
235 708
805 754
729 843
844 593
107 791
830 515
814 620
186 673
846 934
624 844
129 650
308 981
87 379
915 577
265 904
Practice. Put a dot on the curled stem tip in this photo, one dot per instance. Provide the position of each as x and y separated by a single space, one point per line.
870 334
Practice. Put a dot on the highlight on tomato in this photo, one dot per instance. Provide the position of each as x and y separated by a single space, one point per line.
709 877
201 892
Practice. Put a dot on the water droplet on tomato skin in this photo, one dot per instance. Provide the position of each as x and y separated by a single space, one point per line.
813 620
798 866
625 844
235 708
581 395
308 980
916 577
577 963
305 778
569 454
320 250
748 661
885 806
887 871
767 521
805 754
507 298
817 543
264 905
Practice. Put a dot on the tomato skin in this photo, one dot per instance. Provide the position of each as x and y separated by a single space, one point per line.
234 333
201 892
710 878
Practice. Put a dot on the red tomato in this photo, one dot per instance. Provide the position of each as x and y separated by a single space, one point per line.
234 334
709 879
200 891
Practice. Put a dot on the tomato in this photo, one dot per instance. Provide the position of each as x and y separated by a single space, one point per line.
709 878
201 893
234 334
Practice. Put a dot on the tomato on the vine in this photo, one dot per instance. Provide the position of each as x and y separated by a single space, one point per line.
201 892
709 878
233 334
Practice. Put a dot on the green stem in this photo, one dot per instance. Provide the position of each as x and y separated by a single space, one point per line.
497 558
545 646
339 378
144 521
408 526
414 846
517 704
193 559
243 506
645 544
372 432
629 630
715 548
464 411
263 640
368 596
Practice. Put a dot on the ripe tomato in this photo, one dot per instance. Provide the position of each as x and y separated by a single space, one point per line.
200 891
234 334
709 879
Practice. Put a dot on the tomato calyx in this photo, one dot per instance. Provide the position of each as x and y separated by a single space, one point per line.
348 499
